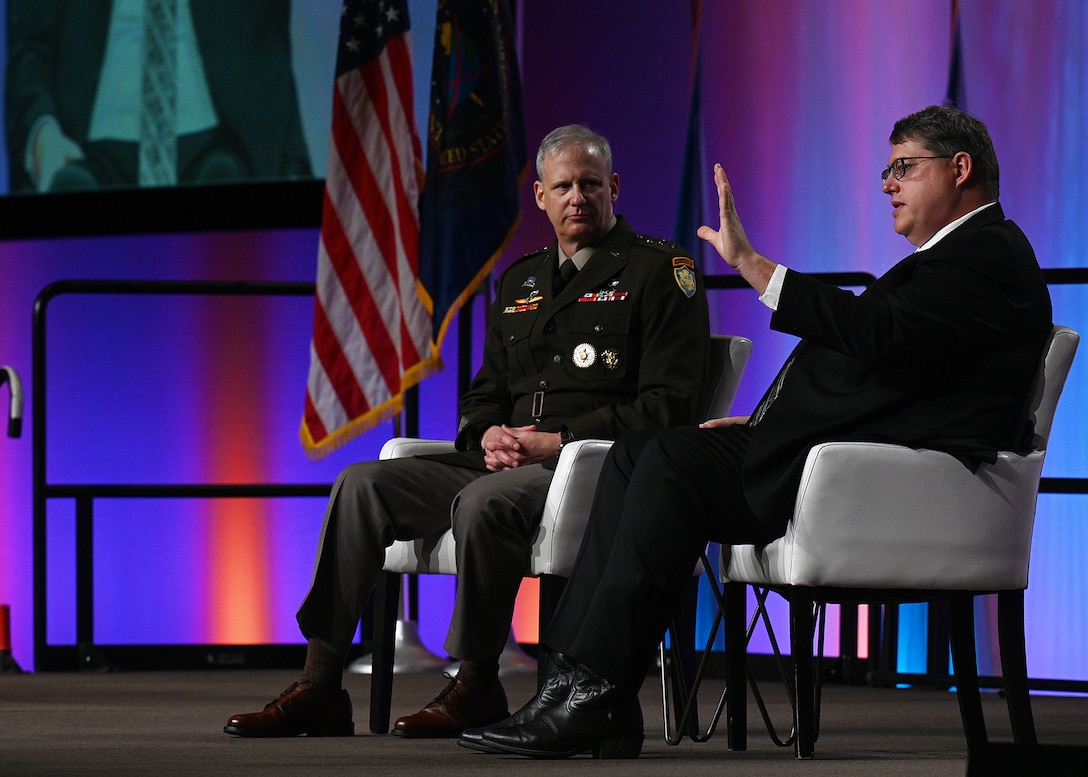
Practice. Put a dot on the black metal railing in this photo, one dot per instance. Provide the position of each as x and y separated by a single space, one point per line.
85 653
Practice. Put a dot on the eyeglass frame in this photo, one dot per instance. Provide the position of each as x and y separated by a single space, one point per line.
901 161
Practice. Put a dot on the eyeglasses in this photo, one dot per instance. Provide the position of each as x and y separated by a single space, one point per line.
899 167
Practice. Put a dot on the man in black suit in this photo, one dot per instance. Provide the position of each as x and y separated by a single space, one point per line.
938 353
73 85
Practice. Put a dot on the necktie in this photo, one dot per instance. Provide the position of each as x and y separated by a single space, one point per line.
567 270
771 395
158 96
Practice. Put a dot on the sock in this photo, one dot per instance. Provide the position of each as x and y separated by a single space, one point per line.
324 667
481 675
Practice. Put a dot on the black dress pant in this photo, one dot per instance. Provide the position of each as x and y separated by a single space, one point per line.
661 497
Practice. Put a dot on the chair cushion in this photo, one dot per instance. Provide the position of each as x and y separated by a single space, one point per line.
873 515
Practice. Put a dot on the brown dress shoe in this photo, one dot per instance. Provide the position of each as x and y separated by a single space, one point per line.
301 709
458 707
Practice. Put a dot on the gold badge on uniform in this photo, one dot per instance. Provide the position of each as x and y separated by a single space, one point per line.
584 356
610 359
683 269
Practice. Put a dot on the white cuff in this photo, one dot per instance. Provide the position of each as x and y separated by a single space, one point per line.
774 288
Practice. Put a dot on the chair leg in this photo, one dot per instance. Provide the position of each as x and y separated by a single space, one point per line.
938 635
961 634
736 656
889 639
682 653
386 600
1014 665
802 622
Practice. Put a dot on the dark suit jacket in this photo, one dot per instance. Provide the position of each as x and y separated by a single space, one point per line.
55 57
622 347
938 353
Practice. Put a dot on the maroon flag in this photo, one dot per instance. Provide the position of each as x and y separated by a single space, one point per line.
372 331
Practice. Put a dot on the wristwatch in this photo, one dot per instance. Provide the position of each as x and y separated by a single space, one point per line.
565 436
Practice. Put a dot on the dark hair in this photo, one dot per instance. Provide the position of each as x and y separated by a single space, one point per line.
574 135
947 131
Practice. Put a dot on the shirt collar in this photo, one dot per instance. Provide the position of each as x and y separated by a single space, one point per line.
943 231
581 256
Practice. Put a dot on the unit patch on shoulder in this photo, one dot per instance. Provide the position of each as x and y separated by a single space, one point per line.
683 269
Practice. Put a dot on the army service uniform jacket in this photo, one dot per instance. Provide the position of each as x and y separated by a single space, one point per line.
624 346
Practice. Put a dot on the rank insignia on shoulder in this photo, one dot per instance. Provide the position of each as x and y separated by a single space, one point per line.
683 269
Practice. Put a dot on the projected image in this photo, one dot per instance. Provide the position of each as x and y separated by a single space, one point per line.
156 93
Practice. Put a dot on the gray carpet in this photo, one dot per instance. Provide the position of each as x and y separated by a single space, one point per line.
170 723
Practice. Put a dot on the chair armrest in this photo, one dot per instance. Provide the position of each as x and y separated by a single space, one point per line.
403 447
566 509
425 555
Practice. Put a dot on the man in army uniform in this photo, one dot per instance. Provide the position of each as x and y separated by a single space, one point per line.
603 332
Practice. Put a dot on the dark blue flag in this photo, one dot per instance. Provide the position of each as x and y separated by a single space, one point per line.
689 213
955 95
476 157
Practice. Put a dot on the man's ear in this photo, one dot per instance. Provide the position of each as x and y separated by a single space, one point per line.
965 168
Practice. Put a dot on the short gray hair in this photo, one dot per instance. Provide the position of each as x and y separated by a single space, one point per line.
577 135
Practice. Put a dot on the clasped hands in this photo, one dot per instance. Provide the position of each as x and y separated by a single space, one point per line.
507 447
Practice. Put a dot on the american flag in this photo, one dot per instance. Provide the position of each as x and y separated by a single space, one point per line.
372 332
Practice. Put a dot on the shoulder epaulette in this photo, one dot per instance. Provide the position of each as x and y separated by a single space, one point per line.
662 244
530 255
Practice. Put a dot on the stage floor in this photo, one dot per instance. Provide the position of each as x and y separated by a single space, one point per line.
170 723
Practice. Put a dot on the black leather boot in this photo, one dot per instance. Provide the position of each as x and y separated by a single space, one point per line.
556 689
595 718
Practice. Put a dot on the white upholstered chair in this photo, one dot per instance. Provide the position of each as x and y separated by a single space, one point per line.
880 523
557 540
